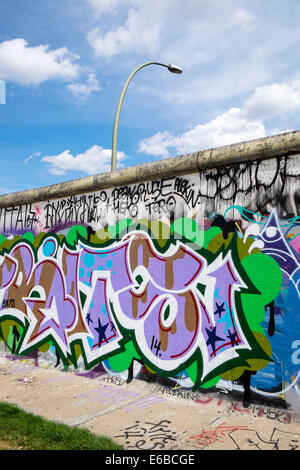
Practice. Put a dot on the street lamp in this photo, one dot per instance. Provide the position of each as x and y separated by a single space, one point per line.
170 67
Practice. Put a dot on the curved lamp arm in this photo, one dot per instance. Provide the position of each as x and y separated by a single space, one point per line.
171 68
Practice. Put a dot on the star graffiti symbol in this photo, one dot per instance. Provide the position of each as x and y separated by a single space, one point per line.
213 338
51 313
220 309
232 337
101 332
88 318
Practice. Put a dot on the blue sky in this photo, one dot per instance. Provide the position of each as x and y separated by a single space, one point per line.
64 63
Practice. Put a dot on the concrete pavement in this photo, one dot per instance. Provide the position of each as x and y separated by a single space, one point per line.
144 415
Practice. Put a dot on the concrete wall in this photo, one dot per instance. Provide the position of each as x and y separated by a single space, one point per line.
185 271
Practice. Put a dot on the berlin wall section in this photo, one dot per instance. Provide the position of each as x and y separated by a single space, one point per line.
190 279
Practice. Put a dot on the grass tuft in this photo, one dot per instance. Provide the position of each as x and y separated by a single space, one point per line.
30 432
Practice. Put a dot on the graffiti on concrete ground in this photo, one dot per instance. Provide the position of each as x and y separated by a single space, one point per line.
217 434
278 440
148 436
246 438
129 400
212 306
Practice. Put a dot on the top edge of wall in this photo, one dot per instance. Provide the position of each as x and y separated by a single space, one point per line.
258 149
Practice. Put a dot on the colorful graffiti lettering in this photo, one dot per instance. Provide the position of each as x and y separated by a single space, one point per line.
194 303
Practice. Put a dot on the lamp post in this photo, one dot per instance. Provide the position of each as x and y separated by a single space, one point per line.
171 68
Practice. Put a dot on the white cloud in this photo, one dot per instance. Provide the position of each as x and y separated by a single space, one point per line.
235 125
155 25
93 161
82 90
244 20
228 128
158 144
34 155
27 65
200 85
273 100
140 32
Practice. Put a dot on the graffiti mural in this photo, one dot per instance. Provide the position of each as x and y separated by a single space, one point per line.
279 239
134 280
176 307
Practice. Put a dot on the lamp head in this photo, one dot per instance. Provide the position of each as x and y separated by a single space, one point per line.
174 68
